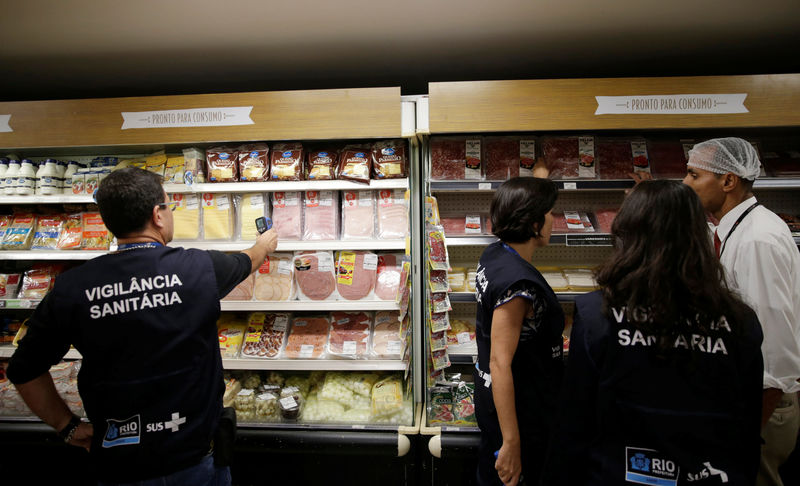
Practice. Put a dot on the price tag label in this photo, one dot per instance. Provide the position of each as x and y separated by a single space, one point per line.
349 347
484 186
306 350
570 186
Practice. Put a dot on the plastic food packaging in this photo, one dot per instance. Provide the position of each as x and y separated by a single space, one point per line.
439 321
472 274
355 163
173 171
605 218
569 157
321 215
387 341
315 274
186 217
36 283
572 222
71 233
267 408
358 215
555 278
265 335
155 163
580 279
322 164
335 389
48 230
307 338
253 162
457 279
349 334
437 251
95 234
441 411
464 403
287 215
273 279
222 164
231 335
507 157
456 158
356 274
392 214
19 233
217 217
250 207
461 336
438 281
4 221
387 278
387 397
9 285
193 166
617 158
437 341
243 291
463 224
286 162
389 159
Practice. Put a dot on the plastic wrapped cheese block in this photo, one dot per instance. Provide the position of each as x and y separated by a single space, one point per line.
217 217
387 342
273 279
321 215
253 162
250 207
358 215
186 217
308 337
355 163
287 215
392 214
322 164
231 335
555 278
355 274
222 164
315 275
349 334
580 279
286 162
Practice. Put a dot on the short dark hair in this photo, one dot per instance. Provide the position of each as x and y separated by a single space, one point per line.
519 207
126 198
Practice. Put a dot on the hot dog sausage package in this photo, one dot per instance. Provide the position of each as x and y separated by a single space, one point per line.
315 275
287 214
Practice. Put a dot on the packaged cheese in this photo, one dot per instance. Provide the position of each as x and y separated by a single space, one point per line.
555 278
19 234
231 335
322 164
173 172
47 233
217 217
253 162
95 234
193 166
387 397
580 279
186 217
37 282
286 162
222 164
355 163
457 279
71 232
156 162
273 279
250 207
389 159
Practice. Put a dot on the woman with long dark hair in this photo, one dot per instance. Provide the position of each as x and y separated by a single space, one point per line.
664 377
518 332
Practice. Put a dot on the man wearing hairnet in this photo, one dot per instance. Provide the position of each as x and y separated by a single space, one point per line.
762 263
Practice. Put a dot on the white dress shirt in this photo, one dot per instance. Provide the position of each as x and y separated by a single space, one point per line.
762 264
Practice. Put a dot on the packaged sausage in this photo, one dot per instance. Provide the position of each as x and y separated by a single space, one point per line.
355 163
286 162
321 215
437 250
248 208
273 279
322 164
308 337
217 217
287 215
315 275
221 164
95 234
389 159
19 234
186 217
349 334
358 215
253 162
48 230
71 233
173 171
265 335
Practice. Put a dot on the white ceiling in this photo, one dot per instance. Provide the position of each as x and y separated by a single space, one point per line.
84 48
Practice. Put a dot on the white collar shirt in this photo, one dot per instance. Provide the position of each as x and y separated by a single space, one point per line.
762 264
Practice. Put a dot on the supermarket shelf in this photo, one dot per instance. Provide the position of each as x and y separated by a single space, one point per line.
470 296
286 245
306 305
242 187
593 185
456 358
7 350
19 303
470 240
589 239
50 255
314 364
54 199
777 183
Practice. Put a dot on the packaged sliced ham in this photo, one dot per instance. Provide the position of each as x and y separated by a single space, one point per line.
456 158
19 233
392 214
287 215
355 163
186 217
463 225
248 208
265 335
569 157
307 337
355 274
321 215
387 278
668 158
286 162
387 341
572 222
273 279
389 159
243 291
349 334
315 275
322 164
358 215
253 162
222 164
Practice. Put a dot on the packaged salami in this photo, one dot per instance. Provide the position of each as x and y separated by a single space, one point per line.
265 335
668 158
615 158
389 159
71 232
464 403
438 281
437 251
572 222
19 233
217 217
437 341
273 279
387 341
48 230
321 215
355 163
456 158
439 321
392 214
248 208
307 338
464 224
358 215
507 157
186 217
253 162
286 162
322 164
441 411
315 275
355 274
222 164
287 215
349 334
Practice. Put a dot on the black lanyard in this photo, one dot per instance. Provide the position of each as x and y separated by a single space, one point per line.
736 225
133 246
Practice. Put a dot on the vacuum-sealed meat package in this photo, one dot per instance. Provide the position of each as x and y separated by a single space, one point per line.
355 163
358 215
315 274
387 341
355 274
392 214
349 334
507 157
222 164
456 158
618 158
307 337
286 162
389 159
572 222
463 225
243 291
265 335
605 218
569 157
273 279
321 215
668 158
287 215
387 278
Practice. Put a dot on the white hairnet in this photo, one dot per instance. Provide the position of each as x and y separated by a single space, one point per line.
723 155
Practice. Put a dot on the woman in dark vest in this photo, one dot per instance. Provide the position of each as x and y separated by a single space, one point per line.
519 326
664 377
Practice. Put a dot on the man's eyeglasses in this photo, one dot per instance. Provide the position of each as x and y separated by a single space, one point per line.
171 205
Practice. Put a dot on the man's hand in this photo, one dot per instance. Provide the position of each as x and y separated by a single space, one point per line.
266 243
83 436
268 238
509 464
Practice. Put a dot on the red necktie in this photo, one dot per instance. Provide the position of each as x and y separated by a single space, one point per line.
717 243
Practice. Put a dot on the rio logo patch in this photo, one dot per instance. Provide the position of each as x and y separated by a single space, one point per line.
646 466
122 432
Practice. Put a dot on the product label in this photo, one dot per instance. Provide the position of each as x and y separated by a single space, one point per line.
349 347
347 262
684 104
192 202
197 117
306 351
527 157
256 200
586 155
463 338
573 220
312 199
350 198
370 261
365 199
284 267
281 323
325 262
641 162
472 224
223 202
394 347
472 168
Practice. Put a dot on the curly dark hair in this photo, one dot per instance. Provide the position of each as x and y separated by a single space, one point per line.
664 263
126 198
519 206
